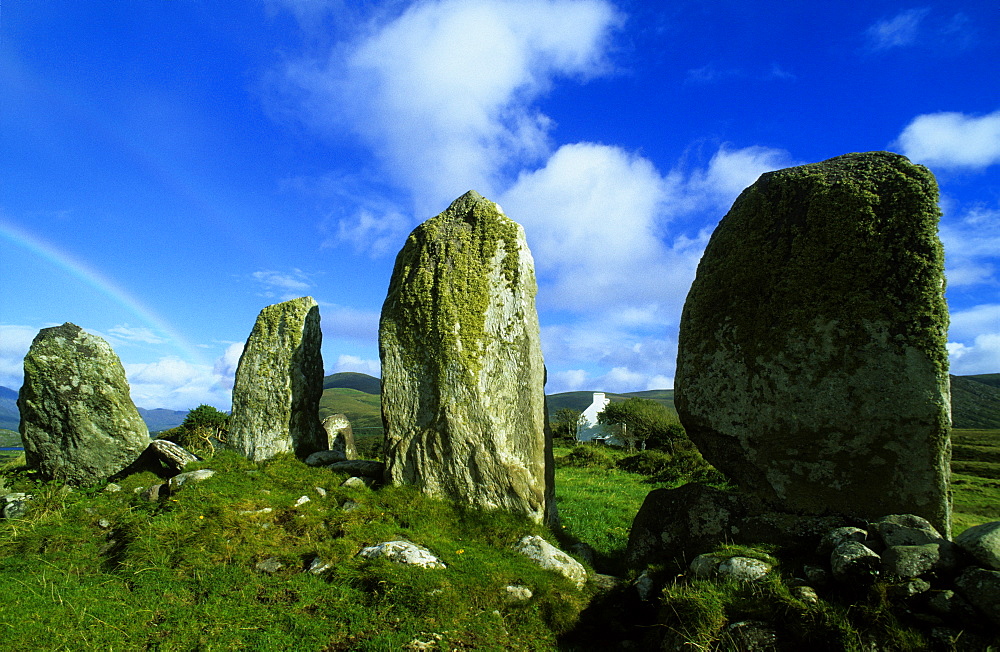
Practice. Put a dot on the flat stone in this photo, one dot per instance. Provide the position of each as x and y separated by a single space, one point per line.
551 558
403 552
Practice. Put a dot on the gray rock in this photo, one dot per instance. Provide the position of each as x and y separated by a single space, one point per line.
811 364
839 535
191 476
906 530
705 566
362 468
462 373
78 423
950 604
645 585
104 524
907 562
584 551
604 583
154 493
907 589
171 455
340 437
403 552
112 488
356 482
983 543
816 574
518 593
323 458
743 569
270 566
981 588
551 558
14 505
279 382
318 566
853 562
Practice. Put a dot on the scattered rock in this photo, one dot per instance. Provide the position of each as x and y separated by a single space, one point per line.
806 594
191 476
323 458
279 382
14 505
318 566
907 562
463 379
171 455
518 593
103 523
362 468
356 482
645 585
981 588
839 535
752 636
811 365
907 589
551 558
705 566
154 493
983 543
743 569
403 552
112 488
854 562
349 506
604 583
302 500
78 423
270 565
321 491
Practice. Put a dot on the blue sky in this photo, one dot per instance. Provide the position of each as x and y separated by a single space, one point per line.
170 167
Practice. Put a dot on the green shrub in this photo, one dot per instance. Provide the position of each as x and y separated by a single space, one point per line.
588 455
648 462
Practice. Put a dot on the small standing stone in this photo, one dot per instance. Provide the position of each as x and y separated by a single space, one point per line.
279 382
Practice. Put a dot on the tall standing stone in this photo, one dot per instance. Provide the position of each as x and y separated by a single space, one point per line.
279 382
811 366
78 423
462 372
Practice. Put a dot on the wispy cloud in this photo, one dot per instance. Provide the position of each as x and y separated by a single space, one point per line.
284 285
974 340
124 333
901 30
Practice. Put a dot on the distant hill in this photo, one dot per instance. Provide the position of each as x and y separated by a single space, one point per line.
974 402
10 416
351 380
162 419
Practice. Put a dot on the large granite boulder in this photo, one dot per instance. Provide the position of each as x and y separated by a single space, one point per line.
78 423
463 380
811 364
279 382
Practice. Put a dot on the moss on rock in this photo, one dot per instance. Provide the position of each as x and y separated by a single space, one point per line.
462 370
811 365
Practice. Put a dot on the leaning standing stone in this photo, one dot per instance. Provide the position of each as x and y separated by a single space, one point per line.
811 364
78 423
462 372
279 382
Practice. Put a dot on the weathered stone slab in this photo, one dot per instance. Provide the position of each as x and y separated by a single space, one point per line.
340 437
78 423
463 379
279 382
811 364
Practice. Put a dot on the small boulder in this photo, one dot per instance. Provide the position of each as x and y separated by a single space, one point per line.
403 552
171 455
14 505
983 543
906 530
853 562
323 458
981 587
363 468
907 562
270 566
839 535
743 569
551 558
518 593
191 476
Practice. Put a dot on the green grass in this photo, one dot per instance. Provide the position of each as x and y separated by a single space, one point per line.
181 574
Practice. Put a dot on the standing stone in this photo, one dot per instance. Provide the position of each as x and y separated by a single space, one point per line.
279 382
78 423
463 399
811 364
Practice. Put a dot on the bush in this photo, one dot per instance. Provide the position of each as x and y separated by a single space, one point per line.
588 455
648 462
203 428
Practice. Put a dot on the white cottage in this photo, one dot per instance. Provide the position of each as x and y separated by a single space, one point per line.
587 428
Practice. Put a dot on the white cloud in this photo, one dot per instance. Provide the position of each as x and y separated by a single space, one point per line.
971 244
358 365
225 366
176 384
952 140
374 234
901 30
443 93
974 335
15 340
